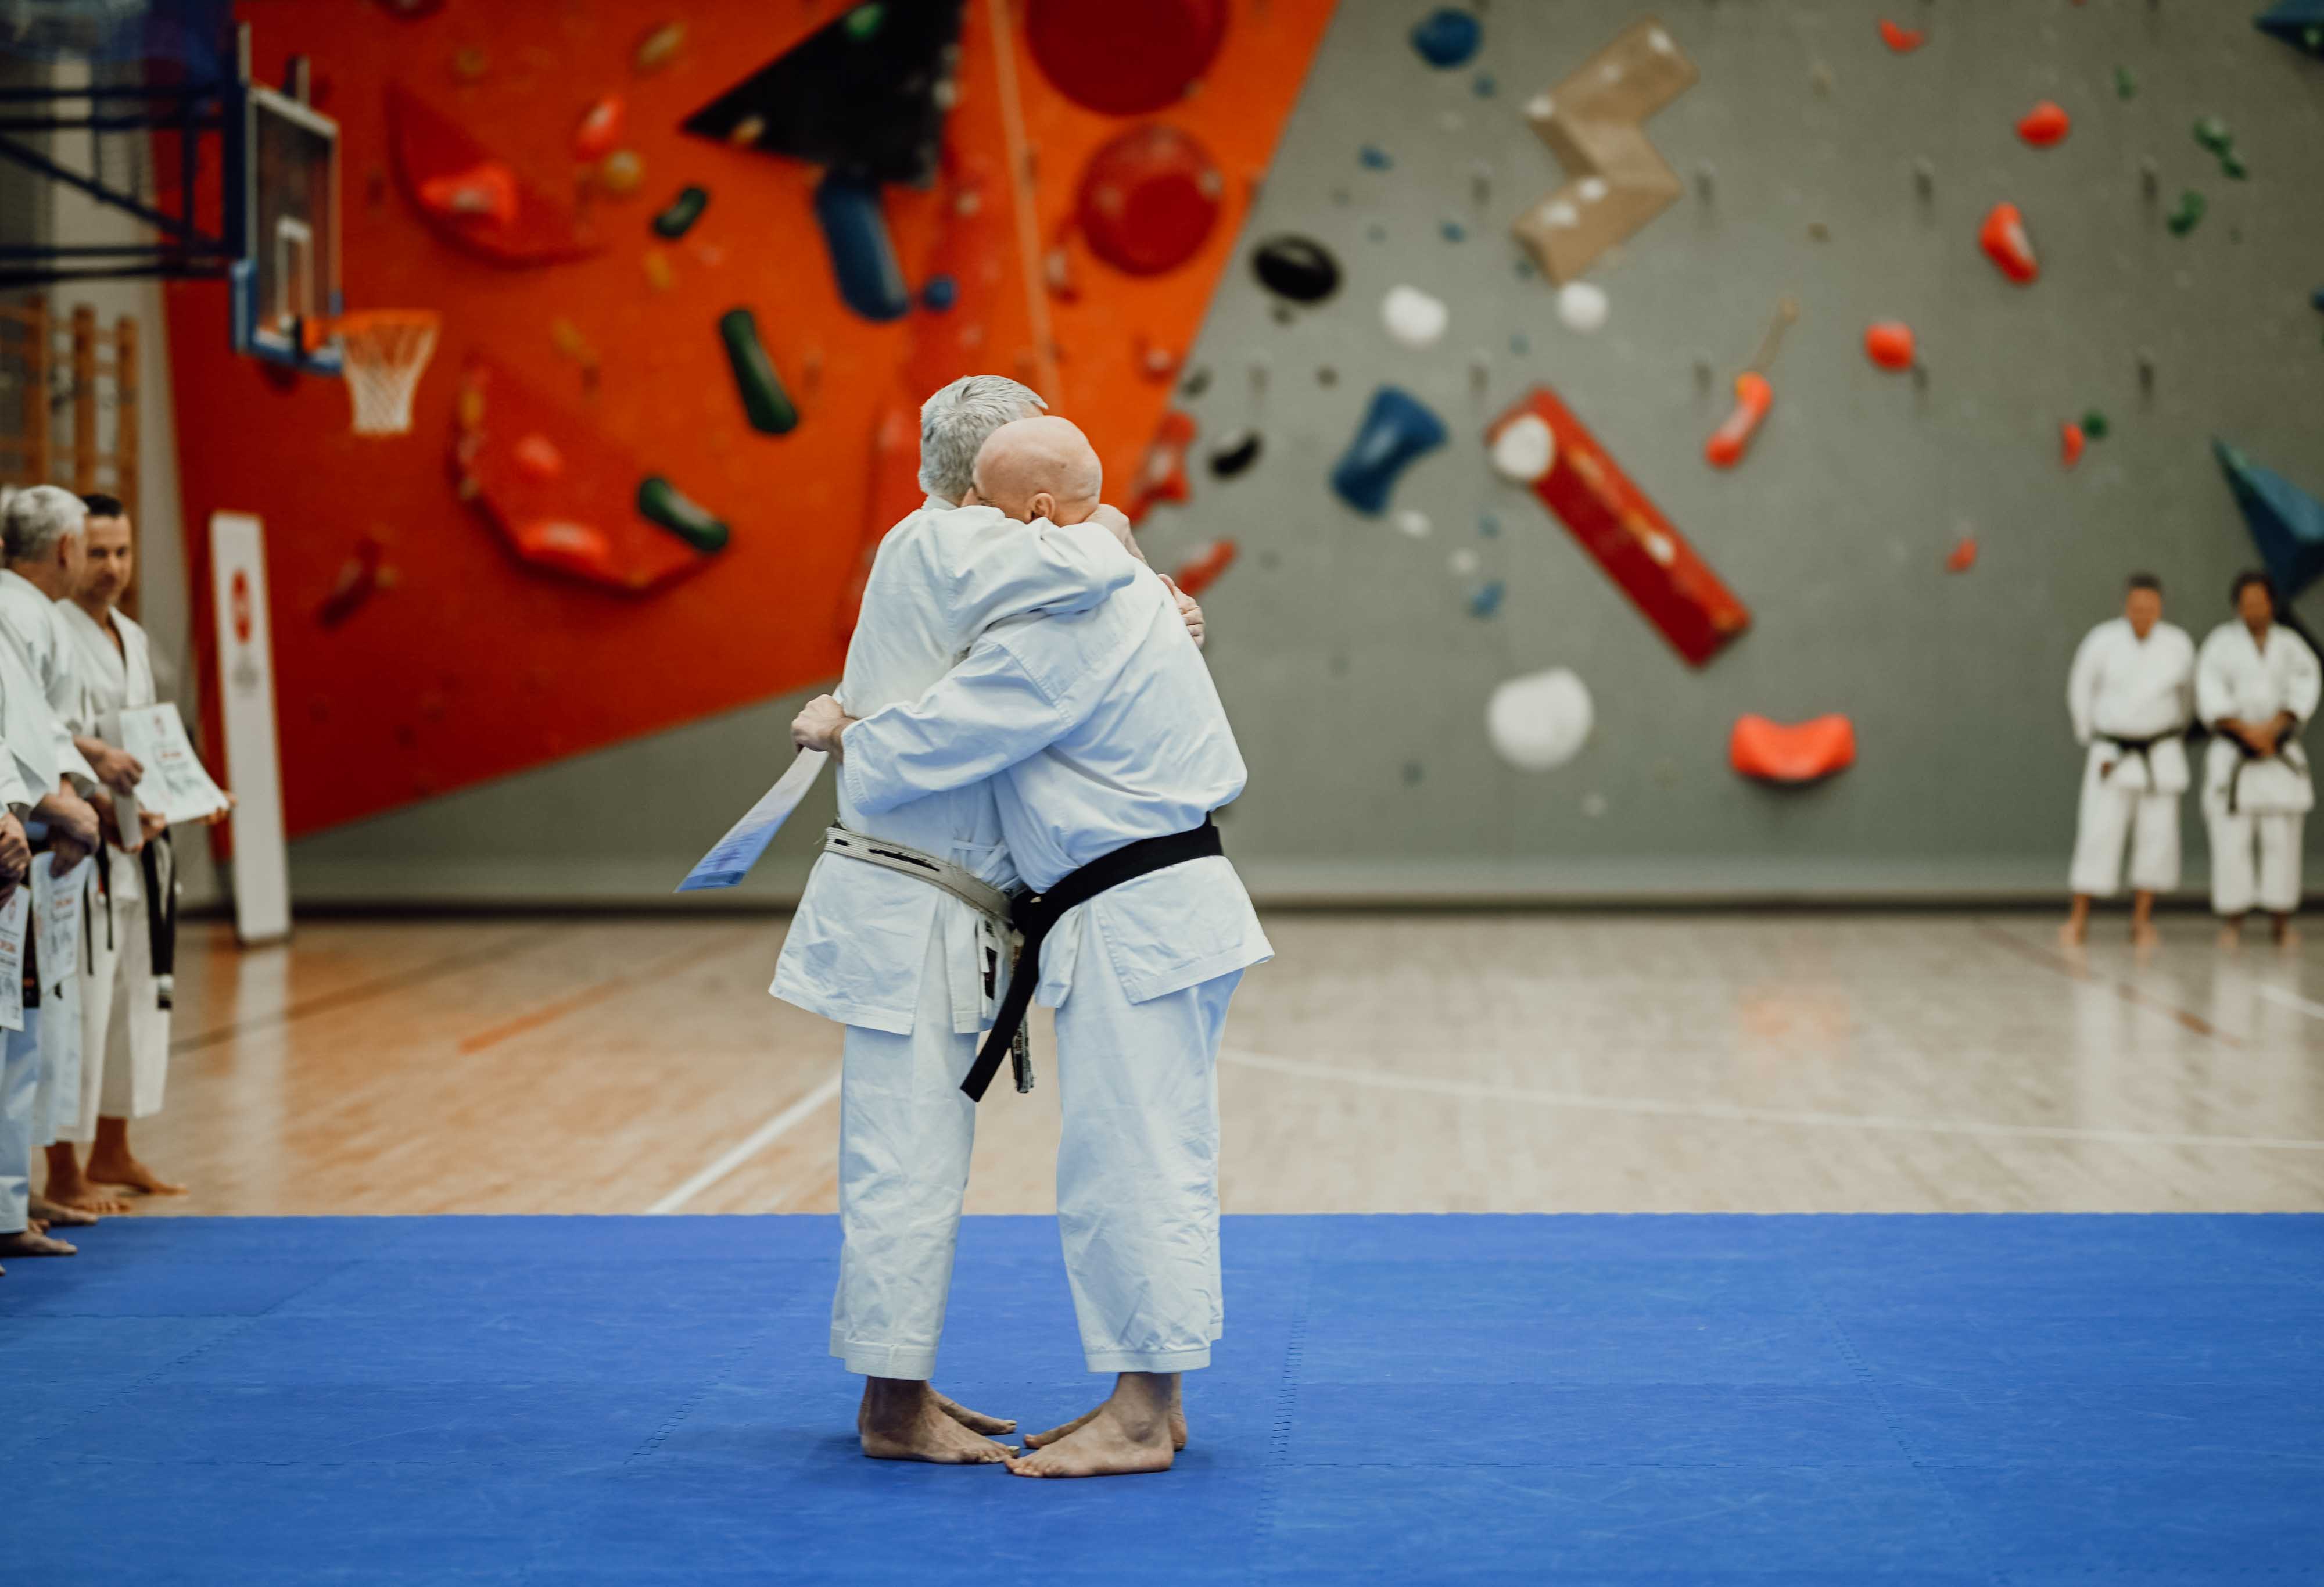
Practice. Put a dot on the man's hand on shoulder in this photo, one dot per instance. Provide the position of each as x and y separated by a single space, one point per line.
1116 522
819 724
1188 611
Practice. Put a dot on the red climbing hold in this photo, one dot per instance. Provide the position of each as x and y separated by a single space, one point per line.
1149 200
1125 57
487 189
1162 477
1198 572
2070 442
1889 344
454 181
1806 752
2044 125
1963 556
1902 40
2003 237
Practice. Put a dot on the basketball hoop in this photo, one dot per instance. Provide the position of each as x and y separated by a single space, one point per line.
385 351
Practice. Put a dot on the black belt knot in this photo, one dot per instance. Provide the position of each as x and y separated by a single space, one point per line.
1034 914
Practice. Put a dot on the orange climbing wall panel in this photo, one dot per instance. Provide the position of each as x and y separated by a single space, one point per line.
468 665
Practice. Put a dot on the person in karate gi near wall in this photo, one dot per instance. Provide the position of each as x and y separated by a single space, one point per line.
41 528
124 1012
912 968
2257 684
1108 750
2131 694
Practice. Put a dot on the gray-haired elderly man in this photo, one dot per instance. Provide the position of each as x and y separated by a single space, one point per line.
901 935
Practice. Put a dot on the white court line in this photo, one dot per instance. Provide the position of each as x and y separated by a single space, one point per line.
2291 1000
1818 1120
764 1136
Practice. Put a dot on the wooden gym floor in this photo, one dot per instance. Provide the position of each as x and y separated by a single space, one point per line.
1383 1063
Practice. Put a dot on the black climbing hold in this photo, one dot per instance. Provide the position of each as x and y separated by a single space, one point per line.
1298 268
1235 454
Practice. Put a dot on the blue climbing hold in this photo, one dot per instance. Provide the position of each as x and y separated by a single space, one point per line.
1374 157
2286 523
940 293
863 255
1519 343
1446 38
1489 526
2316 299
1454 231
1485 86
1486 600
1397 429
2297 23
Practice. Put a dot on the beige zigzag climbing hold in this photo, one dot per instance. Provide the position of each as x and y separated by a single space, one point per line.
1592 121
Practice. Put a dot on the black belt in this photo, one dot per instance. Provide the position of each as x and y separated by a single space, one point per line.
2130 747
2236 777
1033 914
160 862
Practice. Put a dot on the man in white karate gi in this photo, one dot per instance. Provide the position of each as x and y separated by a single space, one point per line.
2131 694
41 528
20 1050
1108 750
125 998
2257 684
901 935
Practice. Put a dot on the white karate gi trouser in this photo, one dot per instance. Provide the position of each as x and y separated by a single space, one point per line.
125 1047
905 1132
2236 885
1138 1165
2110 813
19 1083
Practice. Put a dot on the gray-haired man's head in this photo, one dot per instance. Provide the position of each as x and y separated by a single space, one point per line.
956 424
36 521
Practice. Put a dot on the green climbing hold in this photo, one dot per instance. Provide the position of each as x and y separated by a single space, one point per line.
2213 135
2233 164
2094 425
663 502
2125 83
864 20
765 403
2189 211
684 210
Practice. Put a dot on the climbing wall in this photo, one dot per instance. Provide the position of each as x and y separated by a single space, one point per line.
696 262
1913 552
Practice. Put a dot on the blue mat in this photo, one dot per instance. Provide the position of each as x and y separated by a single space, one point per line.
2023 1400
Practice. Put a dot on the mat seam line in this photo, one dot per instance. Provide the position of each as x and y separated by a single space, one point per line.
693 1402
1921 1469
1278 1441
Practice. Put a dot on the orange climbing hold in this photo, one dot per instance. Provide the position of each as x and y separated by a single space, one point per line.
2003 237
1162 477
2070 440
600 130
2044 125
1963 556
1806 752
1198 572
1754 395
487 189
1902 40
1889 344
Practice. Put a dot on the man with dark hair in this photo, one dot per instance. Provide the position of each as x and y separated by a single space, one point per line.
2130 693
2255 683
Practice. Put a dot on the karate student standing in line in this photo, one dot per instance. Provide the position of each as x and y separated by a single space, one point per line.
124 1006
1108 750
885 941
2131 694
2257 683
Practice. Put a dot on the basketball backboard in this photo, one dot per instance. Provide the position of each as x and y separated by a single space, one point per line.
287 276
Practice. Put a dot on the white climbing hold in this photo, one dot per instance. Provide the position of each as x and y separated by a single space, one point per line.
1413 521
1541 107
1541 720
1463 563
1582 305
1560 215
1591 189
1525 449
1413 317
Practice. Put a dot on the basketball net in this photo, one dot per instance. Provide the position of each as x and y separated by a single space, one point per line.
382 353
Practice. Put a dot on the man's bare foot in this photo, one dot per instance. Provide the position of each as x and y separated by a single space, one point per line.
1128 1435
33 1243
128 1170
1177 1424
975 1421
2287 935
2231 936
53 1212
2144 936
2073 934
901 1420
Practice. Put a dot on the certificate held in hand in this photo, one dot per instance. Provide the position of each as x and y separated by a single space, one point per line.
174 784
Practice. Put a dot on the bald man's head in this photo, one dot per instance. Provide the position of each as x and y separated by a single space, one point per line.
1040 467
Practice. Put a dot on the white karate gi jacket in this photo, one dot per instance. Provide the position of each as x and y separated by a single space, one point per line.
1098 728
2234 677
859 941
29 619
2123 686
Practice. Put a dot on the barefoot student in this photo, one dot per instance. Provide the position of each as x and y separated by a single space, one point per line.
125 978
901 934
41 540
2130 693
2256 682
1108 750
